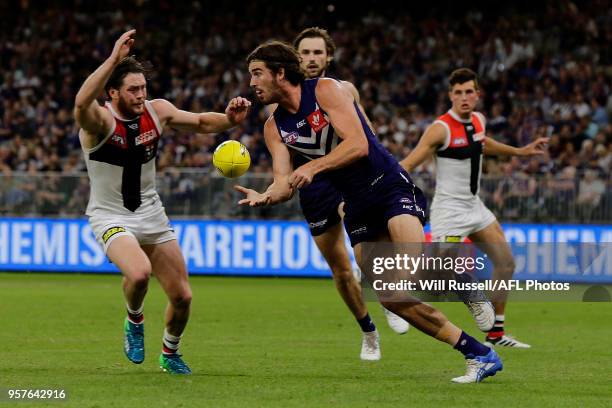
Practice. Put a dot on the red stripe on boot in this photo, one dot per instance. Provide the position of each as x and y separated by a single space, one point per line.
495 334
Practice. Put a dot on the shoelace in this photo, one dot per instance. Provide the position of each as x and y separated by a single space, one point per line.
371 343
478 310
135 336
474 307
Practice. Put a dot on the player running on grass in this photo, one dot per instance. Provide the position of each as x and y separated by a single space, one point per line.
457 140
320 119
120 141
321 201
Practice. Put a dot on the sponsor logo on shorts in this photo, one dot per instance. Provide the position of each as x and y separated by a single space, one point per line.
317 224
360 230
377 179
407 204
110 232
452 238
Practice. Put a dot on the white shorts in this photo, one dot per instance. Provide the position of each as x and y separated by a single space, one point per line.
450 224
150 228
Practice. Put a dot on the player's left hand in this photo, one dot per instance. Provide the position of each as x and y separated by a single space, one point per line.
302 176
237 109
536 147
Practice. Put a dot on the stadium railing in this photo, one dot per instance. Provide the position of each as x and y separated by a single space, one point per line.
198 193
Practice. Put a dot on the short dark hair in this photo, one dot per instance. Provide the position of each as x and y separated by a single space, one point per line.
461 76
276 55
316 32
128 65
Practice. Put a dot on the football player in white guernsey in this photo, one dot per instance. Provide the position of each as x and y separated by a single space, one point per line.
457 140
119 141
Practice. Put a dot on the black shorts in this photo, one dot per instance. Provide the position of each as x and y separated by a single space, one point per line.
367 217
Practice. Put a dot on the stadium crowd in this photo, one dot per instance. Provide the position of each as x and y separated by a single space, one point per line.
544 72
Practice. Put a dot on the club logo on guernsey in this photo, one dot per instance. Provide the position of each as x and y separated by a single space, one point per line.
110 232
118 140
317 121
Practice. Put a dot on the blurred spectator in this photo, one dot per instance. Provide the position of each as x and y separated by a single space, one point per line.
590 192
545 71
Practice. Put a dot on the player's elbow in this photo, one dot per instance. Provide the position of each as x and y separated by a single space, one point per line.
361 148
78 110
81 104
78 113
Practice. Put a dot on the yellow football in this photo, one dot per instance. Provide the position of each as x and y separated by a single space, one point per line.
231 158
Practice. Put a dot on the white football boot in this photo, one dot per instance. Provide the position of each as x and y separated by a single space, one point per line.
370 346
483 313
396 323
505 341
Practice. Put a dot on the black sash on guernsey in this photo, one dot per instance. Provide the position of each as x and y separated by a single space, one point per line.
472 151
130 156
130 181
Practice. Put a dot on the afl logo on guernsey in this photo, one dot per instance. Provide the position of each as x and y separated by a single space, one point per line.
289 137
459 141
317 121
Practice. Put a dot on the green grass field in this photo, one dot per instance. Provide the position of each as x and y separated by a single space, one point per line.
285 343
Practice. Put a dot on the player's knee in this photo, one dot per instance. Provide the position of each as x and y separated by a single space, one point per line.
342 275
505 266
139 275
182 299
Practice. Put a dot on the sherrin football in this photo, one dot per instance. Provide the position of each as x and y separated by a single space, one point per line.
231 158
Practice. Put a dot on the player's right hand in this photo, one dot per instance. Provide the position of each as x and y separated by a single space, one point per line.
122 46
253 198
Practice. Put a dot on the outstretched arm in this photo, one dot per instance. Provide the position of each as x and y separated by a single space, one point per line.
280 190
432 139
88 113
495 148
207 122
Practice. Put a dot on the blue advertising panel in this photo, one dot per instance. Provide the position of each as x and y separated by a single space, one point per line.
285 248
